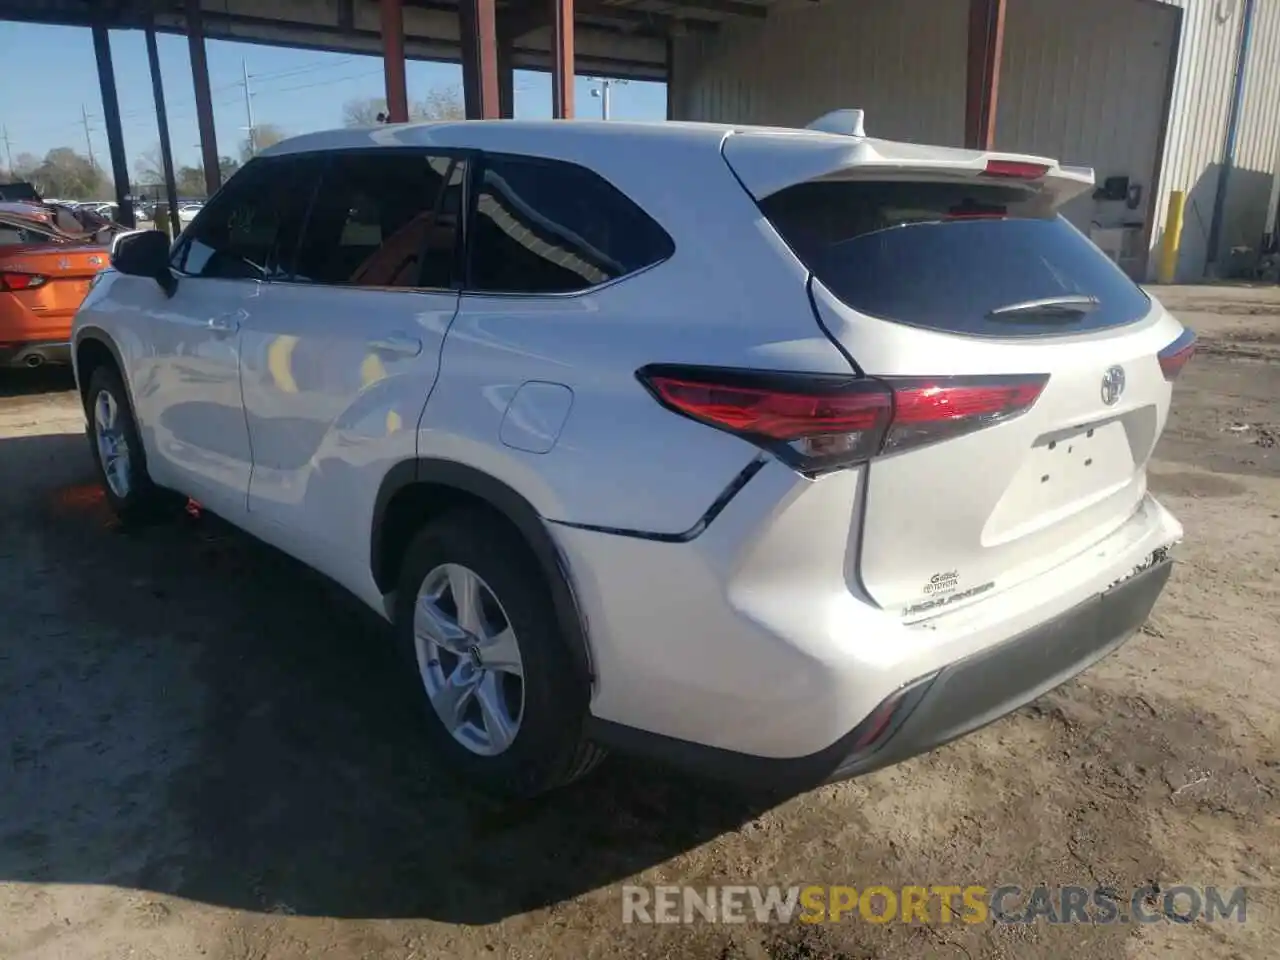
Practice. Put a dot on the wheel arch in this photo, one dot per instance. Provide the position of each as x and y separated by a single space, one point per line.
91 346
414 491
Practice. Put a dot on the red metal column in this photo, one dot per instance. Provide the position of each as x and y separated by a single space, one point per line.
479 40
393 60
562 59
986 50
204 99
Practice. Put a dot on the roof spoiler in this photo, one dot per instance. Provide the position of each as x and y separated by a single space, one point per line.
846 122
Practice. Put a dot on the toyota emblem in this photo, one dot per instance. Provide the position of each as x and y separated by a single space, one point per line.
1113 386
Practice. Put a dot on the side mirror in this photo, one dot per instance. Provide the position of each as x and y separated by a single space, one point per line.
145 253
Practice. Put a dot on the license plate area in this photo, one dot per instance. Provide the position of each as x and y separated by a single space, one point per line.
1064 472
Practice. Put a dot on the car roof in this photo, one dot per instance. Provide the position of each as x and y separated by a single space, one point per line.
596 139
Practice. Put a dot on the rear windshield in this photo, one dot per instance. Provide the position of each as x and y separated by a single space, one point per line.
971 258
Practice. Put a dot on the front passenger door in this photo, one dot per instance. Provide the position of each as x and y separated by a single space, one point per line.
188 390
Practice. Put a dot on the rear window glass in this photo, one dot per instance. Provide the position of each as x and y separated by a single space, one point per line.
970 258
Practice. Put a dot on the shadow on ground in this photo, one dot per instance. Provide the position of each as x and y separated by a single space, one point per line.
24 382
193 713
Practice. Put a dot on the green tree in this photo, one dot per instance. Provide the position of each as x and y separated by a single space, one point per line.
68 175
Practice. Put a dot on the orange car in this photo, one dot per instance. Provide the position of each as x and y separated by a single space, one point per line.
47 260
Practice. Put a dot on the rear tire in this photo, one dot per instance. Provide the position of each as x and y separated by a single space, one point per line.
117 450
474 620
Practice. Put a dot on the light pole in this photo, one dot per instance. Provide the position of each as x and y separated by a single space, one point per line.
602 93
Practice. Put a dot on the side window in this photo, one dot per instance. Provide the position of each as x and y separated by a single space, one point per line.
383 219
250 229
544 226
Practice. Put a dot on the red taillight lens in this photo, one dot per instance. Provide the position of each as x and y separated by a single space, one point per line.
813 422
1015 169
929 410
820 422
1175 356
12 282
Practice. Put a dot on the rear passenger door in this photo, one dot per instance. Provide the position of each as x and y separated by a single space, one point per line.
339 360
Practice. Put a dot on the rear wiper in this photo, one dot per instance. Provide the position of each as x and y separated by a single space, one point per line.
1064 308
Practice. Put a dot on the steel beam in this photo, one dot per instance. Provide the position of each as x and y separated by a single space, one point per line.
393 60
204 99
162 125
562 59
111 117
479 53
986 51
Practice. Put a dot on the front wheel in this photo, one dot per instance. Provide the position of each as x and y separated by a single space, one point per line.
474 619
117 449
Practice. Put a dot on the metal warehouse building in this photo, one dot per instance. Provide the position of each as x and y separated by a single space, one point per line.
1158 96
1161 95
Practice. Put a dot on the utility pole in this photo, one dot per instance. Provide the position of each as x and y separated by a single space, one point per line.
8 149
602 92
248 107
84 116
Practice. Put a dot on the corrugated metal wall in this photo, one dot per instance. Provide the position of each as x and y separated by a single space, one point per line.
1203 88
1087 89
901 61
1084 81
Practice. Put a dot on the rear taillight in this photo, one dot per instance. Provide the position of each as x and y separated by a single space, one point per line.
11 282
817 423
1175 356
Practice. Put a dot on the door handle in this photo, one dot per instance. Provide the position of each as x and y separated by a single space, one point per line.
226 323
396 343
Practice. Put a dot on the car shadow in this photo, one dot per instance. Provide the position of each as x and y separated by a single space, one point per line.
193 713
30 382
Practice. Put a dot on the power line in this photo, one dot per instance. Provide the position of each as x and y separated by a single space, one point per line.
322 83
318 65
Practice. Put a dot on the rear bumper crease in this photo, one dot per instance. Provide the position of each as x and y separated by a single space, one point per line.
958 699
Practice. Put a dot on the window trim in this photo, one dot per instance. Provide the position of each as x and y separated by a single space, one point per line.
475 174
453 154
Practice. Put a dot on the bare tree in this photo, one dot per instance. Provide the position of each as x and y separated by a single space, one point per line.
264 135
149 167
363 113
441 103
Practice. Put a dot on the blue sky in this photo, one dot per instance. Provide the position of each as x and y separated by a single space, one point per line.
297 90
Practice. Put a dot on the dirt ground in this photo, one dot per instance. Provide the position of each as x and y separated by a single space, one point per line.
211 754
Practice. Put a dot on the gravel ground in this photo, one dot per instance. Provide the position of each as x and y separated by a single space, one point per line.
212 754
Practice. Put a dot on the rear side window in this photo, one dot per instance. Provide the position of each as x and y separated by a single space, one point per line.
969 258
383 219
544 226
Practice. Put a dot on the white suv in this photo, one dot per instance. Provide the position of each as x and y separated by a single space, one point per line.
781 454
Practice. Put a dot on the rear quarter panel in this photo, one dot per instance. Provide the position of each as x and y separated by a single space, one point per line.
731 295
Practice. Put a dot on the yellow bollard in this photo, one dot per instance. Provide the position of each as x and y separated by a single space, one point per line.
1172 236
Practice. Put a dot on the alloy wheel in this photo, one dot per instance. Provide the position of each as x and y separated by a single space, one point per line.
469 659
